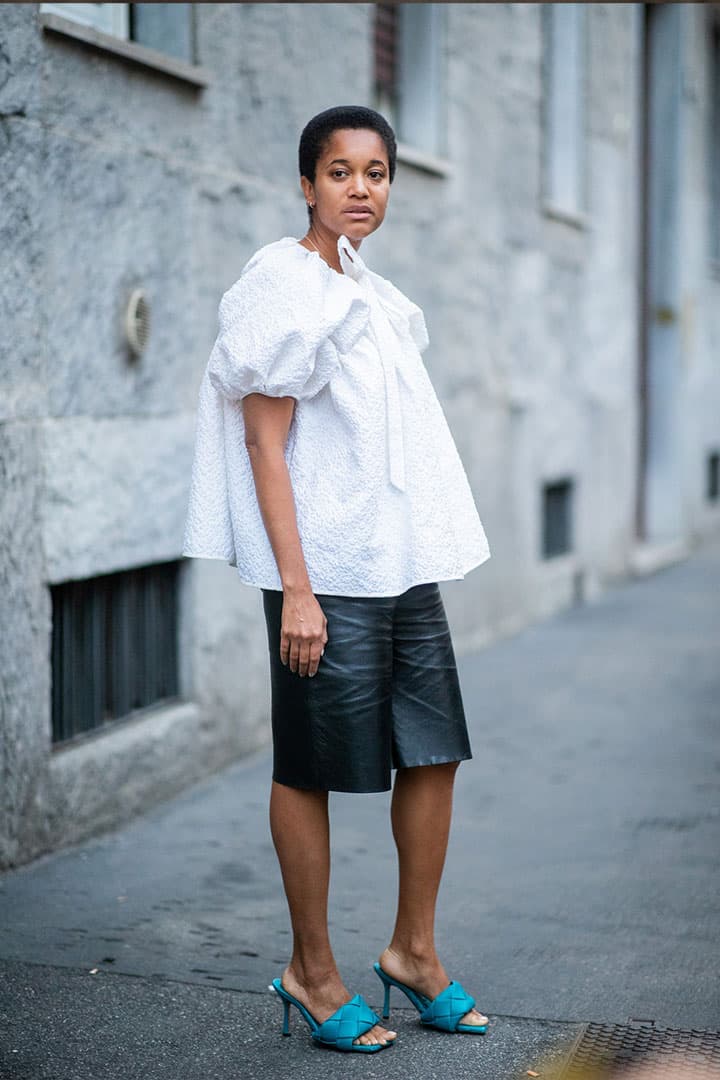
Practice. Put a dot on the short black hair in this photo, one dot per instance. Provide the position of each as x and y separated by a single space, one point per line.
317 133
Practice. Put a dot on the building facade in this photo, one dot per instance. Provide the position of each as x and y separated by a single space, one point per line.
556 214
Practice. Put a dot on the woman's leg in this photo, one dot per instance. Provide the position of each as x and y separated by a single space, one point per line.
300 830
421 811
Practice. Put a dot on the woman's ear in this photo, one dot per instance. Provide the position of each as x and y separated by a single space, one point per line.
307 189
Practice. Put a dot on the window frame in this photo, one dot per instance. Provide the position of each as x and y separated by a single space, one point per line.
555 81
125 48
428 159
113 19
713 83
408 105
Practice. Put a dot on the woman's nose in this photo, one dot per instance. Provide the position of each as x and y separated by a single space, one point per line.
358 186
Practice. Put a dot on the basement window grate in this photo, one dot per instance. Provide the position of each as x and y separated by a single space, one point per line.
114 647
557 510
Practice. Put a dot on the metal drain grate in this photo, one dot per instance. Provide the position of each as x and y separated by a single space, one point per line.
671 1053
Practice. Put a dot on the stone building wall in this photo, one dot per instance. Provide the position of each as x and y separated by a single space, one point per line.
116 175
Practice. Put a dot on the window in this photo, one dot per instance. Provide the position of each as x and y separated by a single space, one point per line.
110 18
164 27
714 141
114 647
564 109
386 59
408 72
557 511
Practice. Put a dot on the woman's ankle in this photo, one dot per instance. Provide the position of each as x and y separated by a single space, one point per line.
418 954
312 975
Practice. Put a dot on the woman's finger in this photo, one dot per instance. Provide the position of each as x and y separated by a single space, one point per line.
284 648
316 654
304 659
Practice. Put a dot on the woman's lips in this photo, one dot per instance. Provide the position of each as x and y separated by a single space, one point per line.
359 213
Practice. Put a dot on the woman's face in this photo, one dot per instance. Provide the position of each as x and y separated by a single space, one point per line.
352 183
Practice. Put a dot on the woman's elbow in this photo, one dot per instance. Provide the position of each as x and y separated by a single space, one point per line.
267 423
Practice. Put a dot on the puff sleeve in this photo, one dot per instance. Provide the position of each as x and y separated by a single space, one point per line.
283 329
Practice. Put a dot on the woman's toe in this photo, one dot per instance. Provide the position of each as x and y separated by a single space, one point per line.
474 1017
374 1036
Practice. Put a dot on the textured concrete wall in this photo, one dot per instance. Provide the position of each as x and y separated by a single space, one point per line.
116 176
700 282
532 320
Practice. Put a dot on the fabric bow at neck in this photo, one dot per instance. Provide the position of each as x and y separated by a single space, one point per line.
387 344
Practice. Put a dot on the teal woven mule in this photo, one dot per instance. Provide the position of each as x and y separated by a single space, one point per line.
348 1022
442 1013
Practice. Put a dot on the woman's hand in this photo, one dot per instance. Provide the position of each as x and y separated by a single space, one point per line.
303 632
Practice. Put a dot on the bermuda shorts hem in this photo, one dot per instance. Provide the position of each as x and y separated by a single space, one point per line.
348 789
343 788
434 761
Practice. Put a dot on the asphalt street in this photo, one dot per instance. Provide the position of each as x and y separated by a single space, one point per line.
581 881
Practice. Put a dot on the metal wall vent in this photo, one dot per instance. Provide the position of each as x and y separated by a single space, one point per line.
137 322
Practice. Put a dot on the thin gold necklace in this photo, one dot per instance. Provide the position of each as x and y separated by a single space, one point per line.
340 271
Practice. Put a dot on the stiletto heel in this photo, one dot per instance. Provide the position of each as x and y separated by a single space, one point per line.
347 1023
442 1013
386 1003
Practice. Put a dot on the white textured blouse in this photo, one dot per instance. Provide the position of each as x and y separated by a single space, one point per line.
381 497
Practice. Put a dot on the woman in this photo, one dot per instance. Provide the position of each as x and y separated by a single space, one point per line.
325 472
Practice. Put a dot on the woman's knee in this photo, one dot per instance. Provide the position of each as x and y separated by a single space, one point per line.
428 774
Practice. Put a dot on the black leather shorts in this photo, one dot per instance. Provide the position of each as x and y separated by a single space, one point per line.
386 694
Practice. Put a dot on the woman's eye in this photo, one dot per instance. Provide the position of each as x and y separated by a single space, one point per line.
375 174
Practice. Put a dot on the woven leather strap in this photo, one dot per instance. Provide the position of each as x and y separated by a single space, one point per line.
353 1018
448 1007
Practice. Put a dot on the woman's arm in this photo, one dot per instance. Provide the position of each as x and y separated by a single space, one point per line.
303 630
